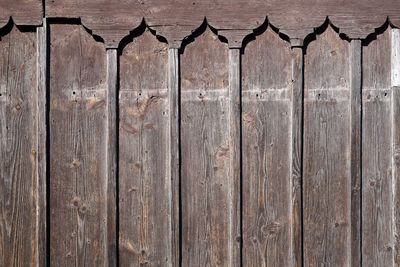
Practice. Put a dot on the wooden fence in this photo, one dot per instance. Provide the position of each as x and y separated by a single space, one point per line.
205 152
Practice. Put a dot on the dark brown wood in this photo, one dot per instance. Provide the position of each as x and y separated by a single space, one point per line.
20 188
205 147
377 202
266 124
144 147
327 152
80 106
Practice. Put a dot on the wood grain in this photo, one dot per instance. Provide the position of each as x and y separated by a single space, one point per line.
23 12
377 202
79 179
19 188
110 253
266 125
234 239
355 140
395 141
174 150
327 152
297 19
297 155
41 142
145 177
205 142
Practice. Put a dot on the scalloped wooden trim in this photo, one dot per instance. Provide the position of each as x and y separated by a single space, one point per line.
176 33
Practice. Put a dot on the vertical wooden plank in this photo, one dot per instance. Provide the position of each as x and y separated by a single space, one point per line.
19 188
41 145
174 156
205 152
377 191
234 157
110 252
355 150
395 106
327 152
145 143
267 123
80 139
296 155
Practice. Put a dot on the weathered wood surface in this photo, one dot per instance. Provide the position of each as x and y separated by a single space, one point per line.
296 155
113 20
327 152
205 142
41 145
234 182
377 196
266 117
171 127
20 191
23 12
297 19
145 184
355 148
395 140
174 151
79 162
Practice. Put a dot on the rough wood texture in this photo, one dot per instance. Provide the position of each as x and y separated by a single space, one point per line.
175 19
234 241
79 179
145 179
41 145
296 156
23 12
355 150
395 141
19 188
326 162
110 253
377 202
205 143
345 182
174 156
266 122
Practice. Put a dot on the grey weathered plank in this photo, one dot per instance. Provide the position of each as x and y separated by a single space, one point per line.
395 141
19 188
327 148
79 144
110 253
234 182
266 125
205 152
144 146
296 155
377 202
174 157
355 150
41 142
